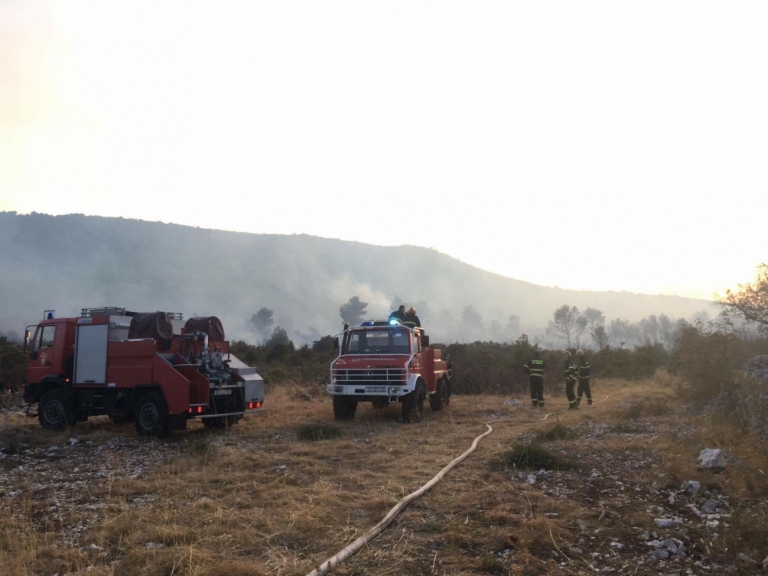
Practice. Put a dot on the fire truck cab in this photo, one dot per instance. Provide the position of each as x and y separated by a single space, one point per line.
386 362
151 367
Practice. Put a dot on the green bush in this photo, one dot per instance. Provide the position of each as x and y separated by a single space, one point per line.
531 456
315 432
491 565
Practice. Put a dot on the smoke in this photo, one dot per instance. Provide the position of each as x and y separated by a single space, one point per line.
71 262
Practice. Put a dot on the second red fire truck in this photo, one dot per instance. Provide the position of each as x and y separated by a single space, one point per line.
385 362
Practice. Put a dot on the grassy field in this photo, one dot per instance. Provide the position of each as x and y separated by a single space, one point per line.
281 492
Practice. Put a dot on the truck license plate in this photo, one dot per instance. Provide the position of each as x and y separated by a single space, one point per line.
375 388
223 392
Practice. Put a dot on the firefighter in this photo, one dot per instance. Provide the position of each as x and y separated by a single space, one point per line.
584 375
535 371
398 314
570 380
411 320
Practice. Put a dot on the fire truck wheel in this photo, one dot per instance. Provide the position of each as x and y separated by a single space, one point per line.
436 399
344 407
413 404
55 410
447 392
150 415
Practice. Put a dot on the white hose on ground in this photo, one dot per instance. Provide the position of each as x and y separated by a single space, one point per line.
353 548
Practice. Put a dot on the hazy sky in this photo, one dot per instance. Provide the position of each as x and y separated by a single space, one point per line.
595 145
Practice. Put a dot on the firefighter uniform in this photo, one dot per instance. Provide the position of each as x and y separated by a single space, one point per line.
570 383
584 375
535 370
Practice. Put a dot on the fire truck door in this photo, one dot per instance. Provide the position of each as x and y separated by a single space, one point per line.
91 354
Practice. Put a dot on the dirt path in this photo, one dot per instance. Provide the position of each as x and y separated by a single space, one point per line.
258 500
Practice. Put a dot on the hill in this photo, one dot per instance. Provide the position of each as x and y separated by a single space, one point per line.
74 261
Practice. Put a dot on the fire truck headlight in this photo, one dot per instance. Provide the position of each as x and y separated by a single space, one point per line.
394 390
338 389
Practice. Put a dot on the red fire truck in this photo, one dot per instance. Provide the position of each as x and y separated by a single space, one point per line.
152 367
385 362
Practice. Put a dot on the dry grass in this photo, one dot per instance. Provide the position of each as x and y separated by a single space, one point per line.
256 500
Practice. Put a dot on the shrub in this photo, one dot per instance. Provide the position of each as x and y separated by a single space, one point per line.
531 456
491 565
558 432
315 432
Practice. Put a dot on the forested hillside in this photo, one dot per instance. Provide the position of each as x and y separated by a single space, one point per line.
74 261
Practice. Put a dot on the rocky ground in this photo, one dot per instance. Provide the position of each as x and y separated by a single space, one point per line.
259 500
639 520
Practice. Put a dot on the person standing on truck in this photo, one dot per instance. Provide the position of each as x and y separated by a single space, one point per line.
570 381
535 371
585 373
411 320
398 314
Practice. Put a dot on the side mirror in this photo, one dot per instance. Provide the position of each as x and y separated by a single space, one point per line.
424 341
27 336
336 343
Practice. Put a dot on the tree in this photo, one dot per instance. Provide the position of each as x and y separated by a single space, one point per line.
324 344
667 333
749 301
600 337
262 322
595 319
650 328
279 338
567 324
353 311
397 301
471 317
513 326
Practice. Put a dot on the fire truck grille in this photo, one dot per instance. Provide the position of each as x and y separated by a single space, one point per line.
369 376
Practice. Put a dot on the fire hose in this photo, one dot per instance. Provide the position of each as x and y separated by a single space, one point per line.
353 548
363 541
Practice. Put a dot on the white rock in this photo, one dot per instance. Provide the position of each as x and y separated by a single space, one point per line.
552 515
663 522
713 459
531 479
710 507
73 441
691 487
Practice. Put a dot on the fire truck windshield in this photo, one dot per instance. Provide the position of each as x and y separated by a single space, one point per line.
384 341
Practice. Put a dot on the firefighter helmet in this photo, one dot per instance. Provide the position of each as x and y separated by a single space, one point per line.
567 353
579 353
411 310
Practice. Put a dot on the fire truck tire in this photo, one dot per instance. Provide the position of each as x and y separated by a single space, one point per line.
447 390
413 404
55 410
344 407
150 415
436 399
